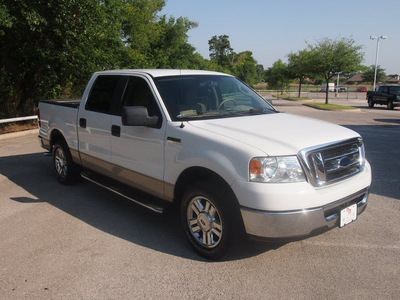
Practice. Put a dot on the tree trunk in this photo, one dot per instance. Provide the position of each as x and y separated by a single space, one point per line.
300 82
327 95
327 90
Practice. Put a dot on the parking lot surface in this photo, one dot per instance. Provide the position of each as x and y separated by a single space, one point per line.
82 242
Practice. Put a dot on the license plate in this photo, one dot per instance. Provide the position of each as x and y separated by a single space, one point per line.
348 215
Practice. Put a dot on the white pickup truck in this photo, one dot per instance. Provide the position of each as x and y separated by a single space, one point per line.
206 141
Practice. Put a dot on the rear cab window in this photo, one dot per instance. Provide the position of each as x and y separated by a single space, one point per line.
102 93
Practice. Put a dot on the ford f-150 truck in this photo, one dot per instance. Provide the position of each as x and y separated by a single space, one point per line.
386 95
212 145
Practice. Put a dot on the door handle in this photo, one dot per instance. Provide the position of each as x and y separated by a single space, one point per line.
116 130
82 122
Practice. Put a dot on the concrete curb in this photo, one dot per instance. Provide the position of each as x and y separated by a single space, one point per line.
14 135
331 109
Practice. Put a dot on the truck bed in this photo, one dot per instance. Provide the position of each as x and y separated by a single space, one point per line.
61 115
74 103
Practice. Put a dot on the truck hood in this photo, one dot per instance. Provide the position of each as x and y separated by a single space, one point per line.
276 134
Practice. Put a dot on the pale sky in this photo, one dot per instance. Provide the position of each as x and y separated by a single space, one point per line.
273 29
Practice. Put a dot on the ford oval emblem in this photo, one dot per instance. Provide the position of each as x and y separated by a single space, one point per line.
344 162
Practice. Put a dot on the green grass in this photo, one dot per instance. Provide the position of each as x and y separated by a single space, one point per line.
297 98
329 106
291 98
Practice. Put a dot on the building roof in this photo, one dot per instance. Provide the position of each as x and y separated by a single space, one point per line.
356 78
390 79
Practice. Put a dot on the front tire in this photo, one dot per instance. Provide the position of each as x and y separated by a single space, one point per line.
66 171
390 105
208 219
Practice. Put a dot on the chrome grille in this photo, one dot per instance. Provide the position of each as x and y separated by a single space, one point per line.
330 163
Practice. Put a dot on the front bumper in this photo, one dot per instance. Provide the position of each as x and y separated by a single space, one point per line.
299 223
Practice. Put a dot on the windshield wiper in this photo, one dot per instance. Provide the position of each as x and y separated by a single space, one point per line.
181 116
251 111
198 114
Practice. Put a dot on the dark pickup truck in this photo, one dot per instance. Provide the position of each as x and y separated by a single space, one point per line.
386 95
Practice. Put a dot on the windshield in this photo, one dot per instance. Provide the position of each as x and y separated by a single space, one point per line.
193 97
394 89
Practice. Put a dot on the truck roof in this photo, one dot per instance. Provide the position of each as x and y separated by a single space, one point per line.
161 72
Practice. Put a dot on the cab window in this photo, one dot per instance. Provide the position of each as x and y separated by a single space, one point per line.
102 93
138 93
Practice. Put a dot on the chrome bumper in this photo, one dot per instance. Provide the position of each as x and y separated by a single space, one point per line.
44 143
299 223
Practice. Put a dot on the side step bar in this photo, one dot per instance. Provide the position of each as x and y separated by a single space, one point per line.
146 200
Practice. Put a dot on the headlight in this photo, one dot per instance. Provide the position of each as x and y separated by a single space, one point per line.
276 169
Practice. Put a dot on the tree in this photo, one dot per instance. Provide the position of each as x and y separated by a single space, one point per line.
299 66
48 46
49 49
220 50
278 75
369 74
329 57
245 68
5 18
171 49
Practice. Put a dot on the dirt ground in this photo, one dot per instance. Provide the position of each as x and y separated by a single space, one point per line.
20 126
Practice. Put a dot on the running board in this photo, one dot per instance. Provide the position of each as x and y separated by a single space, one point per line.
131 194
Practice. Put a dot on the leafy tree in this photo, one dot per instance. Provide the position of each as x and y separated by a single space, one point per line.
47 46
246 68
5 18
260 73
369 74
171 49
50 48
278 75
329 57
242 65
220 50
139 28
299 66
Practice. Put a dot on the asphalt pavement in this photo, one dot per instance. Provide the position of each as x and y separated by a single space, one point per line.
82 242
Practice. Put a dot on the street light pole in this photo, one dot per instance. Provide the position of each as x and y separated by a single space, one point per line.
337 84
373 37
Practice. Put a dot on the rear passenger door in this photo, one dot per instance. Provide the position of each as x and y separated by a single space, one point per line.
383 95
94 123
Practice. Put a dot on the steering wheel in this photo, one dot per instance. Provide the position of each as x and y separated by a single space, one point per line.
226 100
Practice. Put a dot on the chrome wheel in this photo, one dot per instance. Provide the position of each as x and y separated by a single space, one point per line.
66 171
60 163
204 222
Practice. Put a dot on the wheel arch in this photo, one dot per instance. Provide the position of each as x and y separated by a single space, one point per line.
56 136
195 174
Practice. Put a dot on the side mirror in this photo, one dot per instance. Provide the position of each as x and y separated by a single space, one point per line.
138 116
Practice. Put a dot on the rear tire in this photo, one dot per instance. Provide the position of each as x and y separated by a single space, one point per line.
209 218
390 105
371 103
66 171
